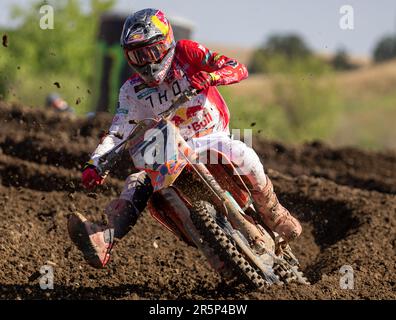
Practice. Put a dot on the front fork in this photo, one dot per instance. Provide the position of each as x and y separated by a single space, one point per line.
232 210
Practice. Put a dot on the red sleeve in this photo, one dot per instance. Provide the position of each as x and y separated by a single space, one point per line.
223 70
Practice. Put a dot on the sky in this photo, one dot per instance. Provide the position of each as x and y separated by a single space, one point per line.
248 23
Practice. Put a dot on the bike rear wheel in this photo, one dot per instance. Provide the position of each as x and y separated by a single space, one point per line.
236 267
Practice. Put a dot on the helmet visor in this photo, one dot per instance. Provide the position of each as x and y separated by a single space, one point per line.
148 54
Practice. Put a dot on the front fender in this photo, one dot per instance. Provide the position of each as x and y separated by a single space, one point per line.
166 174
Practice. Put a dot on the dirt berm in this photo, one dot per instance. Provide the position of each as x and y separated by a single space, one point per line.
345 198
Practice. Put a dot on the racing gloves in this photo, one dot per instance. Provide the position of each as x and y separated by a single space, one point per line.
202 80
91 177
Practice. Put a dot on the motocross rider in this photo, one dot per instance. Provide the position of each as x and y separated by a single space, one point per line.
163 69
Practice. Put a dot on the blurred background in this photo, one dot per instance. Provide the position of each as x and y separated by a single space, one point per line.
310 79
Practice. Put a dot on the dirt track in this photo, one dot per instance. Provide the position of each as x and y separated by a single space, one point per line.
345 198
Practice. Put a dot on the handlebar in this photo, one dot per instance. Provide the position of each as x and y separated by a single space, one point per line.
186 96
108 160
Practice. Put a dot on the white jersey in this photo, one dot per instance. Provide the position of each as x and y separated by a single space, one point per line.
137 101
205 114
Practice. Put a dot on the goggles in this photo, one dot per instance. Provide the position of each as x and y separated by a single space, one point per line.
148 54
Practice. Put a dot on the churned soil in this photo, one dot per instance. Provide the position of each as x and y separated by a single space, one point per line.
345 199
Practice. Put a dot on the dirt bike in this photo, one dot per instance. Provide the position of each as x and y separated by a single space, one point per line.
206 205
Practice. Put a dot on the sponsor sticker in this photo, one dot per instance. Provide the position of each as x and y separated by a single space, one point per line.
146 93
122 111
140 87
232 63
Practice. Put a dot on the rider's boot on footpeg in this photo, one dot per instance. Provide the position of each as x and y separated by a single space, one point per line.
96 240
275 216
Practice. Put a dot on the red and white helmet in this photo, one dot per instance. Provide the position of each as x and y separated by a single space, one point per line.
149 45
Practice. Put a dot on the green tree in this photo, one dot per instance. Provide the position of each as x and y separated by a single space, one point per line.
290 45
65 54
69 47
341 61
385 49
277 52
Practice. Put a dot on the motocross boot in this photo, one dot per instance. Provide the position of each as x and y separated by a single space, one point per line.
97 240
275 216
